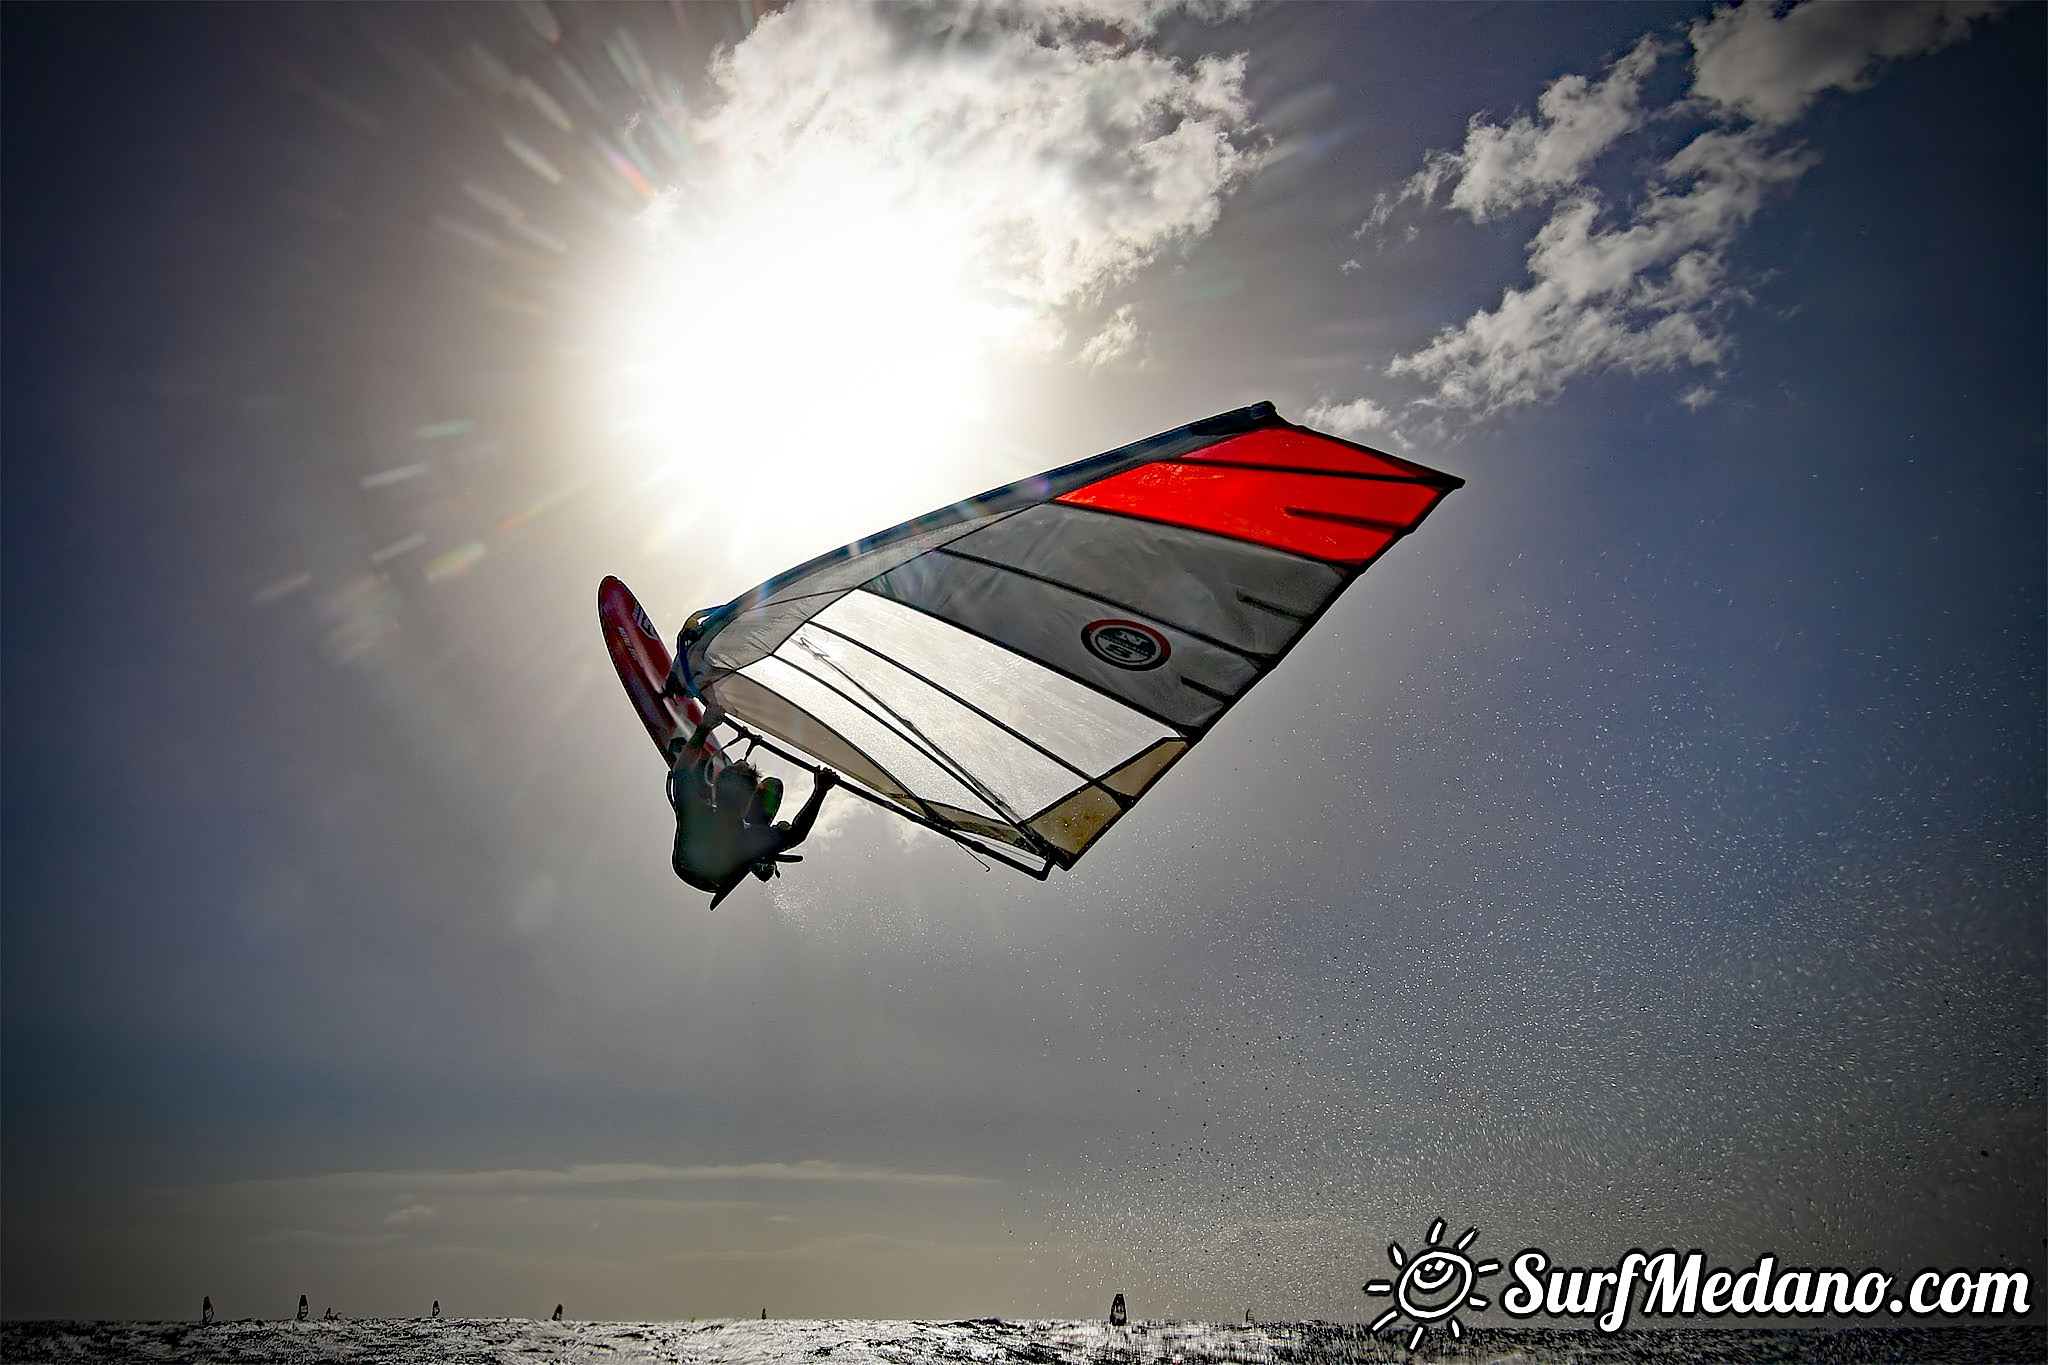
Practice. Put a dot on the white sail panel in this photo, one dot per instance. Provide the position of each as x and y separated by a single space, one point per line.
1080 725
1014 777
914 770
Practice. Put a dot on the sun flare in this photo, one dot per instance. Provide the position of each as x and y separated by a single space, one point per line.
812 353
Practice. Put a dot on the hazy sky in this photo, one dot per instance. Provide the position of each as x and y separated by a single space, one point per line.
1649 852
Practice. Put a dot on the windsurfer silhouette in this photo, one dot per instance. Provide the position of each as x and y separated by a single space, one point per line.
725 816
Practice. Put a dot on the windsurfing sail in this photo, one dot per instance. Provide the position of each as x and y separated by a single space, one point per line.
1015 671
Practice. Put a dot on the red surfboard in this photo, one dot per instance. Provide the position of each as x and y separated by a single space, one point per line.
643 662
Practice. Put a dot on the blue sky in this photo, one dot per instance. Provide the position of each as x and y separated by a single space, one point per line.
1646 853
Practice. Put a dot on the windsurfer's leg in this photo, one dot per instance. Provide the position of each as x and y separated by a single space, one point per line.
709 847
688 773
679 860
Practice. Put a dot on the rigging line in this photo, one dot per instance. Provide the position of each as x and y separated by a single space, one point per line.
917 742
859 788
945 760
944 691
937 758
935 825
852 747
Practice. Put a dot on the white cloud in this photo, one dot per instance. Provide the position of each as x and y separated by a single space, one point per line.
1129 17
405 1186
882 205
327 1240
1528 160
1052 163
1754 61
1117 338
1636 298
1354 418
1646 288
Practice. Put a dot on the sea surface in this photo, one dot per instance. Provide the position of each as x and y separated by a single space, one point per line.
991 1341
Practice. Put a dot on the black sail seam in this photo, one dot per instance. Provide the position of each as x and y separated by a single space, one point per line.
807 714
1087 778
1393 528
1273 607
1182 728
903 726
1258 661
1301 469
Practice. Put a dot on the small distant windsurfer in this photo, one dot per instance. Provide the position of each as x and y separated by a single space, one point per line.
725 816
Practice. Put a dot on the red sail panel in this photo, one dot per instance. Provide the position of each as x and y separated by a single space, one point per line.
1332 518
1282 448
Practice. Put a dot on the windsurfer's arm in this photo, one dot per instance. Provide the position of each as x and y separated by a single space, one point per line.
713 713
799 829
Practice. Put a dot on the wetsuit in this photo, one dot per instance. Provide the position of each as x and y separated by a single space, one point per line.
723 828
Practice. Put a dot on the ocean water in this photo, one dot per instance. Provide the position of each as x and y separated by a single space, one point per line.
461 1341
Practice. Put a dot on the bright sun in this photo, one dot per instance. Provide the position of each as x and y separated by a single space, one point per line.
801 363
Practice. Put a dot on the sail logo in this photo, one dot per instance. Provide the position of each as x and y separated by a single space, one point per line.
1125 644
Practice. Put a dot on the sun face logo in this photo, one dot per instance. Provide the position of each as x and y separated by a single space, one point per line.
1433 1286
